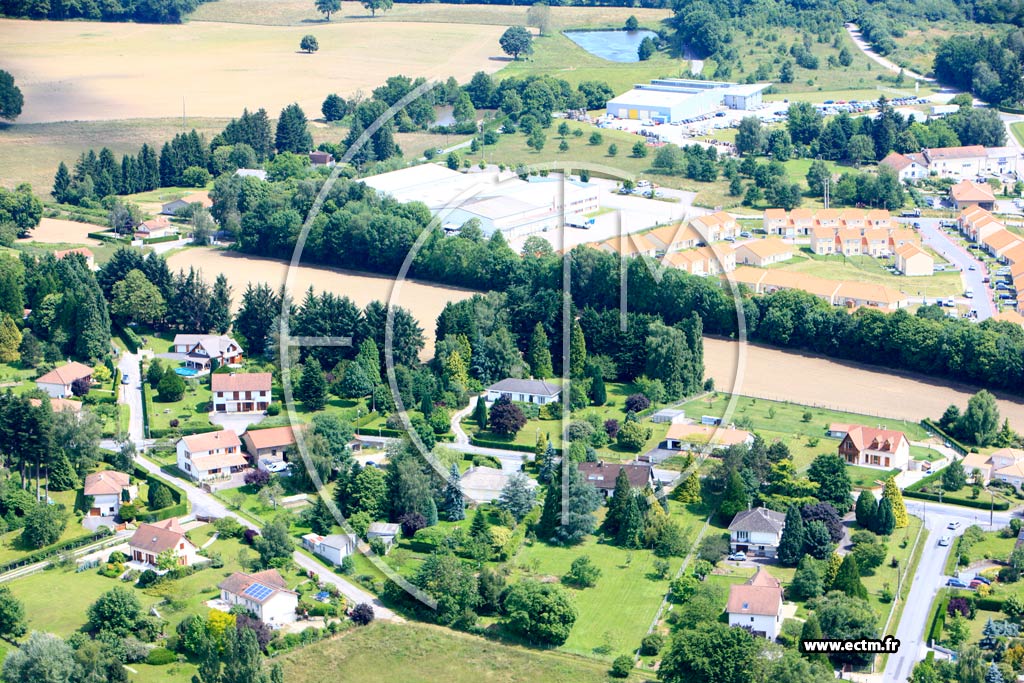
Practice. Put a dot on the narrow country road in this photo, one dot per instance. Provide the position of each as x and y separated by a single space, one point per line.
131 394
911 631
863 46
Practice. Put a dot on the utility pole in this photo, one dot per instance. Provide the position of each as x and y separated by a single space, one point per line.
828 179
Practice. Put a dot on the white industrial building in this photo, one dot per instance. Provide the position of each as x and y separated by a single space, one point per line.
500 201
667 100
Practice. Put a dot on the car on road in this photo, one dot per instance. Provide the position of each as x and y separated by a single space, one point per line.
124 379
745 234
738 557
953 526
956 583
971 267
945 540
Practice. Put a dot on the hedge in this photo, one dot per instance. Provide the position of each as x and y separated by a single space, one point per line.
180 507
957 446
105 236
145 402
183 431
56 549
398 433
505 446
938 617
913 491
131 340
158 240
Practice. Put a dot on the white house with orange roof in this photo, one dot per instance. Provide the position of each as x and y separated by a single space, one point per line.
900 236
857 294
242 392
849 242
669 238
107 490
211 455
159 226
876 242
885 449
827 218
879 218
802 220
969 193
763 253
57 383
776 222
716 226
1005 464
756 605
1014 256
913 261
853 218
1000 242
908 168
151 540
823 240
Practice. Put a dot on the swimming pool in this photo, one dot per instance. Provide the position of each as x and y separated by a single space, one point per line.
186 372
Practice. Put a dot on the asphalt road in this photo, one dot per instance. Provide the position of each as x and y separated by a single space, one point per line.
929 578
935 237
131 394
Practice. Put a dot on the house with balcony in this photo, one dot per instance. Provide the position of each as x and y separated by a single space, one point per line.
151 540
240 392
757 532
213 455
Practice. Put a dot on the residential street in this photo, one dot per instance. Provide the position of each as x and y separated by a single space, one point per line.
929 578
131 395
937 239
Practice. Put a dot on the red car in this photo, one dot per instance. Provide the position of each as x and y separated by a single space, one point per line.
974 584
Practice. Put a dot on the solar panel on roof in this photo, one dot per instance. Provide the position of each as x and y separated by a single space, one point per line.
257 591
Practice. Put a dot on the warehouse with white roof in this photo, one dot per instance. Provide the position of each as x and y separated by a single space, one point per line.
667 100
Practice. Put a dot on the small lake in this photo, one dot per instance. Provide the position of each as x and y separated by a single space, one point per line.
615 46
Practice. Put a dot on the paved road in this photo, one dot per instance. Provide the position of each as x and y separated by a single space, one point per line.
929 578
935 237
131 394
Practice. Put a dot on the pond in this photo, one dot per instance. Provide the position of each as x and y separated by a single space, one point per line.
615 46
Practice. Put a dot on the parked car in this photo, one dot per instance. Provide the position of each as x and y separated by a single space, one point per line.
953 526
982 579
738 556
973 585
124 379
745 234
945 540
956 583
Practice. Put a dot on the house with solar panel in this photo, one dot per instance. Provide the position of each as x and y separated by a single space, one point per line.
264 594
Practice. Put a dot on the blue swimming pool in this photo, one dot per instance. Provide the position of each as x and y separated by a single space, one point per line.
186 372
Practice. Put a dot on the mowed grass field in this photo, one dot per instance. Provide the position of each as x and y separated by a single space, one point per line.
872 270
303 13
418 653
95 71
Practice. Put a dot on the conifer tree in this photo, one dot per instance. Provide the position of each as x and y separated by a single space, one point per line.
546 465
848 579
631 525
884 520
10 339
598 393
866 508
61 184
454 503
480 413
539 353
312 390
62 475
617 504
791 545
831 569
689 490
812 631
577 351
321 518
895 497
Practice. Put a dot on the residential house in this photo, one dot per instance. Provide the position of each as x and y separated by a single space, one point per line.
757 605
240 392
763 253
86 253
857 294
671 238
154 228
838 430
908 167
876 242
264 594
853 218
57 382
913 261
387 533
968 193
757 532
484 484
716 226
776 222
885 449
826 218
524 391
1005 464
849 242
107 490
267 447
976 223
879 218
694 436
823 241
900 236
211 455
173 207
1014 256
199 351
333 548
150 540
321 159
802 220
956 162
1000 242
708 260
602 475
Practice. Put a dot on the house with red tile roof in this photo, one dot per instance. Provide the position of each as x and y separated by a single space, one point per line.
757 605
57 382
150 540
211 455
240 392
885 449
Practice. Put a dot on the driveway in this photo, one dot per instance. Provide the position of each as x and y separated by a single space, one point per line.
236 422
131 394
951 250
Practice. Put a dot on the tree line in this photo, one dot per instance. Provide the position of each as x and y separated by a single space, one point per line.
143 11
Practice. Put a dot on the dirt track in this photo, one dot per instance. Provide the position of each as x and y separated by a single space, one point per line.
814 380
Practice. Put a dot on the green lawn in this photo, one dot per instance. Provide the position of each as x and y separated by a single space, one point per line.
868 477
172 673
775 420
11 547
191 411
418 653
871 270
1018 131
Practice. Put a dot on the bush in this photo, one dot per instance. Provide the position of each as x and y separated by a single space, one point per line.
257 478
159 656
228 527
362 614
651 644
621 667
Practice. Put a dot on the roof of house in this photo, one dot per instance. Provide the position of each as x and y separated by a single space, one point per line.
258 587
488 479
775 214
158 537
719 436
209 441
879 215
876 234
903 235
1013 470
669 234
716 218
875 439
66 374
767 248
321 157
821 232
1000 239
274 437
155 223
896 161
215 345
537 387
872 293
909 249
801 214
966 152
1014 255
760 595
87 253
241 381
105 483
970 191
59 404
758 520
339 541
602 475
973 461
839 427
383 529
218 461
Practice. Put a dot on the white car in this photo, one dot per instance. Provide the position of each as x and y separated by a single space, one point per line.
945 540
738 557
953 526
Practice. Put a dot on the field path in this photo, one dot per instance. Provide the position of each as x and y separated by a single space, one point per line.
840 385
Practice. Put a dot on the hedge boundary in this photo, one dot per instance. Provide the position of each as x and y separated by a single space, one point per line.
913 491
180 507
158 240
504 446
932 427
56 549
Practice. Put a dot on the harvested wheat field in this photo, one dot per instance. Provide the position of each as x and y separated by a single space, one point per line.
425 301
815 380
57 231
303 12
95 71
